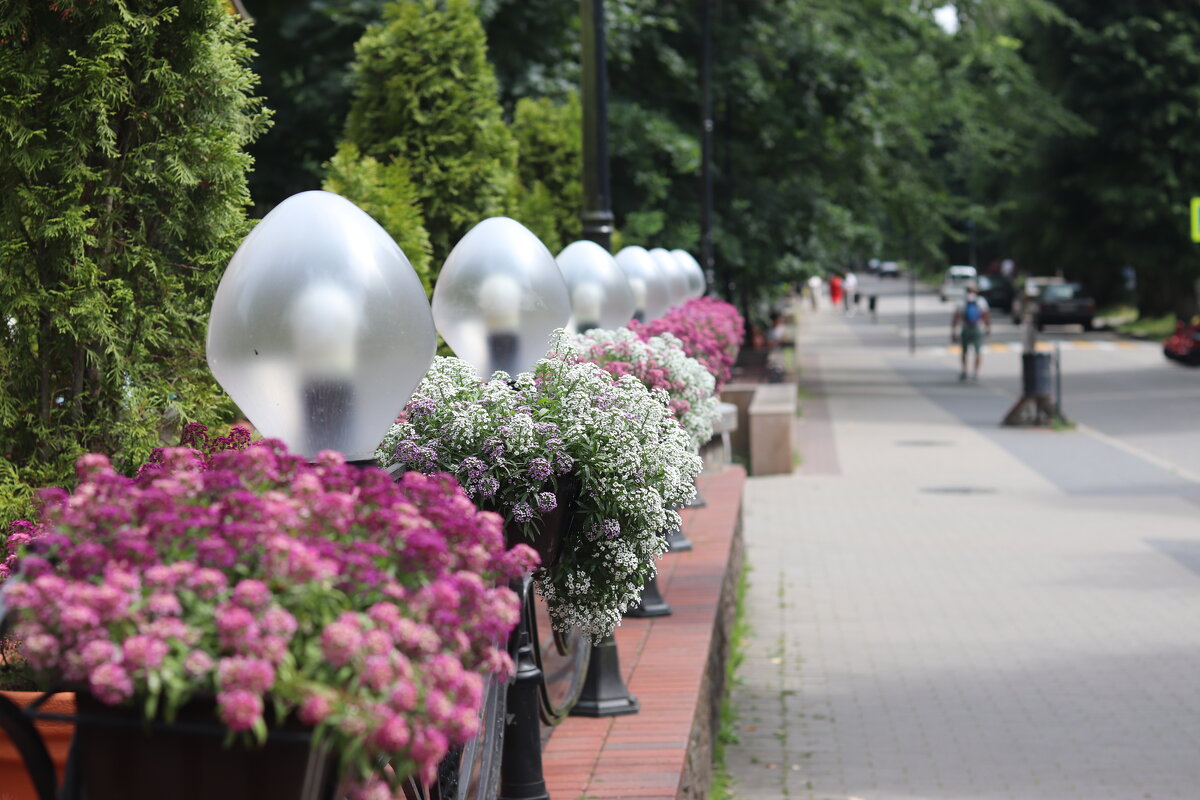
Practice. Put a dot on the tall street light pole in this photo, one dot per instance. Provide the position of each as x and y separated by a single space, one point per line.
597 216
706 142
604 693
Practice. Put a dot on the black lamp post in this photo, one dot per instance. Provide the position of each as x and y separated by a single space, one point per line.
604 693
597 215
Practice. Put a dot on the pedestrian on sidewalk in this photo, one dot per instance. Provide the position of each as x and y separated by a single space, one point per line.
974 318
850 285
814 291
835 290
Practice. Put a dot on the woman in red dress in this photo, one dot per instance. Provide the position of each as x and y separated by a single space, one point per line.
835 291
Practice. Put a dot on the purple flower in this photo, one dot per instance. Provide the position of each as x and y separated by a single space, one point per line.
546 502
539 469
239 709
473 466
522 512
421 406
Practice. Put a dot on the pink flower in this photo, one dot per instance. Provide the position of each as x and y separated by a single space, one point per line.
164 604
252 674
239 709
111 684
315 708
41 650
340 640
403 697
198 664
100 651
236 626
144 652
251 594
377 672
392 735
75 619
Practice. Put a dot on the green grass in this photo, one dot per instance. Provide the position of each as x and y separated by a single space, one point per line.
720 788
1150 327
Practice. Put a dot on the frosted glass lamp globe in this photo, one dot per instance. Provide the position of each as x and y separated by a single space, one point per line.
695 274
498 298
320 329
599 291
649 285
675 277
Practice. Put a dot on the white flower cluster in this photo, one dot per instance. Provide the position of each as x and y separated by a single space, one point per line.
662 361
509 442
634 461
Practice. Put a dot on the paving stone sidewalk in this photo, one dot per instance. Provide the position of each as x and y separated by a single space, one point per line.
933 618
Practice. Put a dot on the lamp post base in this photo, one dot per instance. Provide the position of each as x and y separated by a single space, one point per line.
604 693
652 603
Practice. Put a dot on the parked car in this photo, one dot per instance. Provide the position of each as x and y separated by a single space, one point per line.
954 284
1028 294
1183 346
889 269
1064 304
998 292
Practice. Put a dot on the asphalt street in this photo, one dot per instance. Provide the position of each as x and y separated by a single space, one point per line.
1121 389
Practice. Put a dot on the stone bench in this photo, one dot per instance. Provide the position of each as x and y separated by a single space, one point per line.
772 427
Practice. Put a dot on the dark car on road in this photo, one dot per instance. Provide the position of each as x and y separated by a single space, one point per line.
1183 346
997 291
1065 304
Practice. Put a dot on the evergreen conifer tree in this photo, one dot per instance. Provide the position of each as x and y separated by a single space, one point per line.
123 176
549 168
424 91
386 192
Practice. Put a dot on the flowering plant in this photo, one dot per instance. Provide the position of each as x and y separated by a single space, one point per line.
711 331
511 441
659 362
367 608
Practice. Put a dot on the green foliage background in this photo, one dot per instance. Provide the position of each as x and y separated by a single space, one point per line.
125 125
424 92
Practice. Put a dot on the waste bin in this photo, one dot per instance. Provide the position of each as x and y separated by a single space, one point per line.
1035 375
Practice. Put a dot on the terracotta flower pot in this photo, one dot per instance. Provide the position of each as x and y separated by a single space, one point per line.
14 777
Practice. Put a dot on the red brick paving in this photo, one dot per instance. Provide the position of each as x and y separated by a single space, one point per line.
642 756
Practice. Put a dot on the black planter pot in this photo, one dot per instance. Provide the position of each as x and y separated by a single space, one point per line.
551 528
121 757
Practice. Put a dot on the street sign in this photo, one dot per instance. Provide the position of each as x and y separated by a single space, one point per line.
1195 219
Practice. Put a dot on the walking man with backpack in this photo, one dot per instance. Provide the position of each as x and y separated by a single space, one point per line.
975 320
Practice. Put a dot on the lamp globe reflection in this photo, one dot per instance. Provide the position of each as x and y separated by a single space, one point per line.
677 289
693 271
650 297
498 298
320 329
599 291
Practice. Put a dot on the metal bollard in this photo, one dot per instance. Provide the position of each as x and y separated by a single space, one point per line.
521 765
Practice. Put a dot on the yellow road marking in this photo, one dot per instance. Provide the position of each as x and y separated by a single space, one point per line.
1083 344
998 347
954 349
1044 347
1126 345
